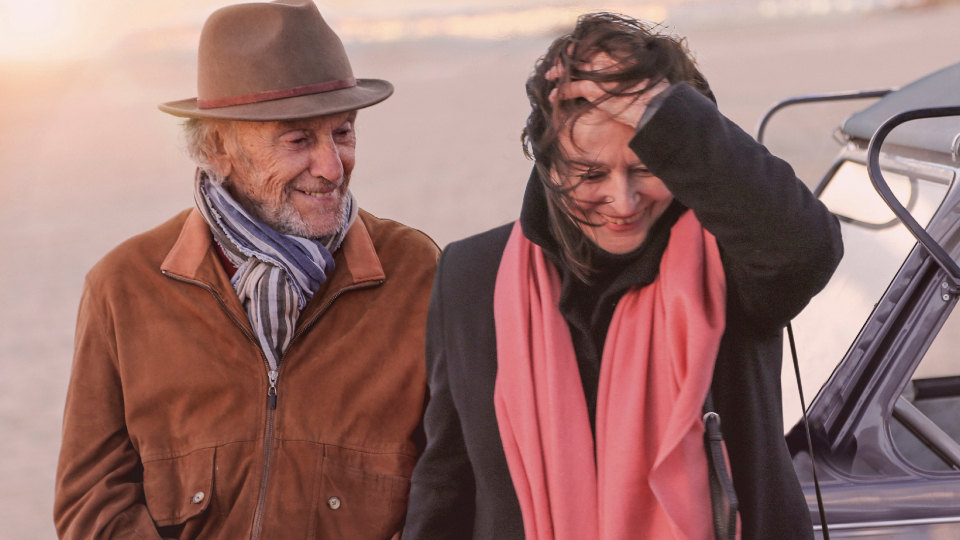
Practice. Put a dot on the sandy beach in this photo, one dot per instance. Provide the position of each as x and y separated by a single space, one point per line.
86 161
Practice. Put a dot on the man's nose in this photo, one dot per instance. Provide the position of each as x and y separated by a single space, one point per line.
325 161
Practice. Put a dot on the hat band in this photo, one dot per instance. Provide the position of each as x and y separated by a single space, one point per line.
276 94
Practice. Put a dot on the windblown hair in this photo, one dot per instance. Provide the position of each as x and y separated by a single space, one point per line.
643 52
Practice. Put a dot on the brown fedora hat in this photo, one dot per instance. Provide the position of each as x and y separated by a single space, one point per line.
274 61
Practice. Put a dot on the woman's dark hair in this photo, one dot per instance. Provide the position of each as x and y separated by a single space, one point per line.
642 52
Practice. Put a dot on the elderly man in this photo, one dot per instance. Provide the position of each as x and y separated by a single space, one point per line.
253 368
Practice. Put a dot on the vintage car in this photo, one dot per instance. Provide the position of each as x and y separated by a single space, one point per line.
884 335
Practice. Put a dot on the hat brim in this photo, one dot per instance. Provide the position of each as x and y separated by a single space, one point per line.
367 92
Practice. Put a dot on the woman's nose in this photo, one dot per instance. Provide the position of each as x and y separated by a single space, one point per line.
621 195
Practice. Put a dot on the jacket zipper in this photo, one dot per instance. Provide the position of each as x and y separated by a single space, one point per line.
272 377
272 406
267 449
271 397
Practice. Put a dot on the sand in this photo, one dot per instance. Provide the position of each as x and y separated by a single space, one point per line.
87 161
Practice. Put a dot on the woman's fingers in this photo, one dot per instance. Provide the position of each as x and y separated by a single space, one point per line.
627 109
554 73
600 62
589 90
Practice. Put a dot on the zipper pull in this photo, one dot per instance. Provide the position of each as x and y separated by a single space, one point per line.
272 391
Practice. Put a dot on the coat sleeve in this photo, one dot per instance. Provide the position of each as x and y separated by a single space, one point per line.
780 244
99 483
443 490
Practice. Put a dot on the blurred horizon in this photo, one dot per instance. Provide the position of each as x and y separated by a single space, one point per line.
41 31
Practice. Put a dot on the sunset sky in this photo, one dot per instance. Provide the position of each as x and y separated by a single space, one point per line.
65 29
38 30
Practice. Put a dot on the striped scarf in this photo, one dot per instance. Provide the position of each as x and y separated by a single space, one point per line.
277 274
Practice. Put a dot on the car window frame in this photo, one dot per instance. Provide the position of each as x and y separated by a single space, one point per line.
851 413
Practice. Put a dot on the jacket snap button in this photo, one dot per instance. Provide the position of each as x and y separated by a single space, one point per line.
197 497
333 503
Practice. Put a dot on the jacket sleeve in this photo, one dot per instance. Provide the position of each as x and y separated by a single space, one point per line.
99 484
780 244
442 491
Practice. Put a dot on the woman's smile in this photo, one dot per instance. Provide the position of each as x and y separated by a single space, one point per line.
616 223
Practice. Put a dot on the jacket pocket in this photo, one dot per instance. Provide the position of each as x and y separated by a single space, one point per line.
360 505
179 489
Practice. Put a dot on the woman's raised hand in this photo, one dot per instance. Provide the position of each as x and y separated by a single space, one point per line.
627 109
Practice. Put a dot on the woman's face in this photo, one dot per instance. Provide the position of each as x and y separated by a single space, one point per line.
618 196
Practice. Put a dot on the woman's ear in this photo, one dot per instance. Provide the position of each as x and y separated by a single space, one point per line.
221 160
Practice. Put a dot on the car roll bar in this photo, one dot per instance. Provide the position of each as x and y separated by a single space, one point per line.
927 431
880 184
816 98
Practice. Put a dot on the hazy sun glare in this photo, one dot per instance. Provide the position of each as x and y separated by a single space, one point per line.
31 28
65 29
33 16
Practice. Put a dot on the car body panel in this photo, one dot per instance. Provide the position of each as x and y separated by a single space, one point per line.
886 435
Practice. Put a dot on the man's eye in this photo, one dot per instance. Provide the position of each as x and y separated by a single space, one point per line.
642 172
296 139
592 176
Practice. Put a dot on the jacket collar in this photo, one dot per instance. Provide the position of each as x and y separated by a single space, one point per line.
193 258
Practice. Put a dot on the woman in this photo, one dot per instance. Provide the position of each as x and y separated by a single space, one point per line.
659 252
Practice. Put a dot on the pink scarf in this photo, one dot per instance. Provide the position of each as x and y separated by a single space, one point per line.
649 476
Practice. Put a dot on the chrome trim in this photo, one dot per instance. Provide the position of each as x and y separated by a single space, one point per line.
883 524
917 169
909 167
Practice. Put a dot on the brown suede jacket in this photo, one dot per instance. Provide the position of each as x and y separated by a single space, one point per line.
168 430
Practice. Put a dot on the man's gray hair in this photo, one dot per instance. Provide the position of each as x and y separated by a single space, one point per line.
197 137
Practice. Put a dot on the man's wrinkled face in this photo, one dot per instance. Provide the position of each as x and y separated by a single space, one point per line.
291 175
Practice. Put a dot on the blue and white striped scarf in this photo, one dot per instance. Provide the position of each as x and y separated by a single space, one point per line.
277 274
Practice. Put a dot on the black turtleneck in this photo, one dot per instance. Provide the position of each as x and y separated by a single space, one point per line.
588 306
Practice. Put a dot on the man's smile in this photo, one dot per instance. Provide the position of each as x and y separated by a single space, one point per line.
319 194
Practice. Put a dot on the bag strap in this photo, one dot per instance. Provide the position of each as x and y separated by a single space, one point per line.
723 498
806 427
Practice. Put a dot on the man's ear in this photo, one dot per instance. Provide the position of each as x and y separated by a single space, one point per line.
216 143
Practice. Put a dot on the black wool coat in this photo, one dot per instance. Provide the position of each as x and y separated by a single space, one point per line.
779 246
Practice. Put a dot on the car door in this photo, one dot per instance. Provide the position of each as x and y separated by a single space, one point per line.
886 424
